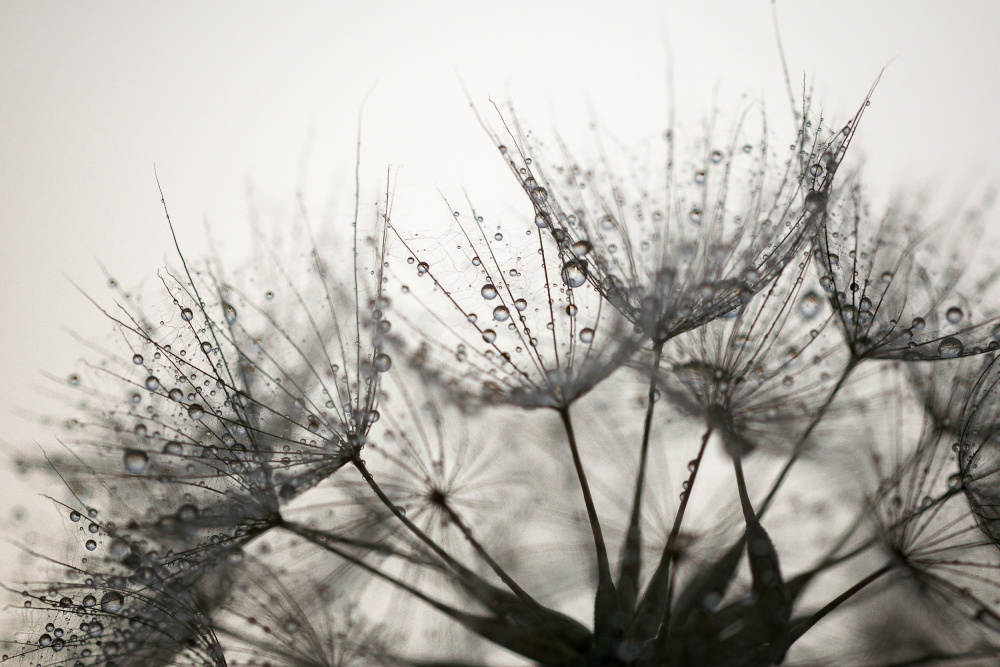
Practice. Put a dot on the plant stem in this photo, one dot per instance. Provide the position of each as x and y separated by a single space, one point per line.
800 445
631 561
807 624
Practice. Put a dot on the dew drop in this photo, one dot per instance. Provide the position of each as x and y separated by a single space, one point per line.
152 383
73 379
918 324
112 602
176 394
542 220
74 516
950 347
89 601
135 460
520 304
229 312
90 545
574 273
489 292
587 335
695 216
196 412
699 177
187 314
716 157
489 335
809 305
382 362
501 314
954 315
955 481
571 310
173 448
137 359
581 248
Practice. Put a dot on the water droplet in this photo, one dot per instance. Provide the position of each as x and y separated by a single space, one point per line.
498 237
489 335
815 170
401 510
955 481
540 194
716 157
196 412
90 545
574 273
542 220
186 314
73 379
152 383
887 277
229 312
137 359
489 292
581 248
809 305
382 362
950 347
695 216
501 314
954 315
135 460
176 394
699 177
520 304
587 335
89 601
918 324
112 602
74 516
173 448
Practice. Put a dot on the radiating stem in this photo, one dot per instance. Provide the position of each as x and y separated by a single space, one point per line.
444 555
806 625
654 609
800 445
631 561
605 584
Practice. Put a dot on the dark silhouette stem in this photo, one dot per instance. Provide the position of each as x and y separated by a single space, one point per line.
800 445
807 624
631 562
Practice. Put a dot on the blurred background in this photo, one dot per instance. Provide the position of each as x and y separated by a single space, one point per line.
226 97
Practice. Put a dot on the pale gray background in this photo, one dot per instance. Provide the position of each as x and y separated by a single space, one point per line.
92 94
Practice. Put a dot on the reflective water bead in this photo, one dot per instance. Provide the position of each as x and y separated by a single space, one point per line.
229 312
501 314
112 602
196 412
187 314
587 335
809 305
382 362
489 335
489 292
695 216
137 359
580 248
950 347
152 383
918 324
135 460
574 273
954 315
520 304
176 394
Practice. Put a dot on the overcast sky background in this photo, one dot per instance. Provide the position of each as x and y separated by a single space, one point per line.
93 94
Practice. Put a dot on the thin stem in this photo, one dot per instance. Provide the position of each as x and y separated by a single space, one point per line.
800 445
654 609
806 625
500 572
631 562
603 564
444 555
